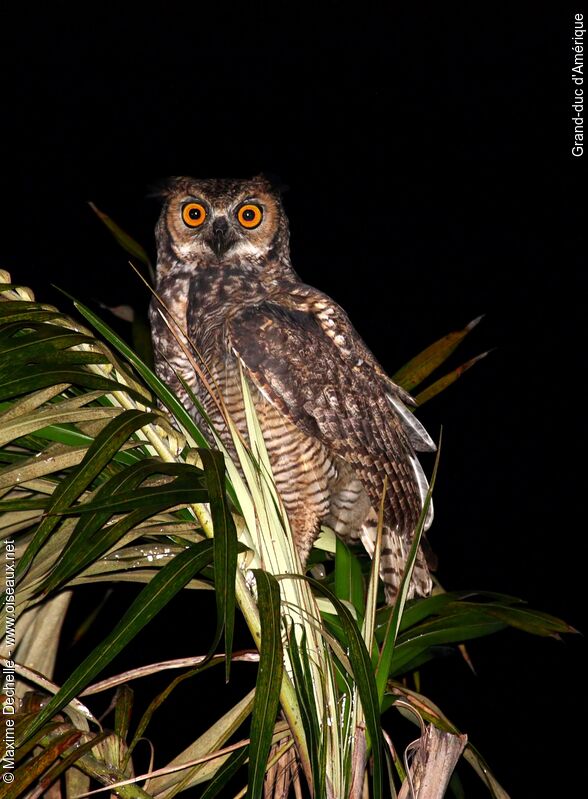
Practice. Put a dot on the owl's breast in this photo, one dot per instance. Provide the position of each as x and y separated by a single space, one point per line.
215 296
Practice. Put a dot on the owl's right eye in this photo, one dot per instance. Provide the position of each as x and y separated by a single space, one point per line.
193 214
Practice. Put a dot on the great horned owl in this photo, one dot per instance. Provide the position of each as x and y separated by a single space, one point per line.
334 424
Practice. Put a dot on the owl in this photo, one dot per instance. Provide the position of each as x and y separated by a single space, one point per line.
336 427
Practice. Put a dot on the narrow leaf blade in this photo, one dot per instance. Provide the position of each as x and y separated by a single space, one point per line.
421 366
225 549
156 594
444 382
126 242
269 681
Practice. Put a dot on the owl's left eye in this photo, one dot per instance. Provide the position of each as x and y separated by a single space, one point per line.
250 215
193 214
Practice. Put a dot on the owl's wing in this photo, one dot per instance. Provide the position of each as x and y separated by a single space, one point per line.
336 326
317 372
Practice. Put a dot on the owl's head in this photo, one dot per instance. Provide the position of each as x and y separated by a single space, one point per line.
219 220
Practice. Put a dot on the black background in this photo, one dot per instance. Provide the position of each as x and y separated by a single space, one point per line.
428 158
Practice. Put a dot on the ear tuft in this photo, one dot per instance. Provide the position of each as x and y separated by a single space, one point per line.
274 181
163 187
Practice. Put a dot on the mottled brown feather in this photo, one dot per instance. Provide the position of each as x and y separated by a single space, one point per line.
324 403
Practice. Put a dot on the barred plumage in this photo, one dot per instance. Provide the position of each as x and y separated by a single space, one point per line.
335 426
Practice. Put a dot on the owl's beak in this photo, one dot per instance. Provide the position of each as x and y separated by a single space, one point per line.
221 239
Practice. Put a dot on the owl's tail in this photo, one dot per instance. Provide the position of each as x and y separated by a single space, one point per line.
393 562
393 558
396 543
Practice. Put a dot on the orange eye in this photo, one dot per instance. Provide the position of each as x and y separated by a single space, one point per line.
250 215
193 214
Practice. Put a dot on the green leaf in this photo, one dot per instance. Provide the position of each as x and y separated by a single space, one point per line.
421 366
303 685
24 311
48 731
126 242
363 675
91 537
386 661
9 410
415 611
156 594
183 490
349 578
419 649
436 605
23 342
298 655
35 768
24 504
225 550
106 444
159 388
39 419
167 398
25 380
449 618
80 749
444 382
531 621
59 434
269 681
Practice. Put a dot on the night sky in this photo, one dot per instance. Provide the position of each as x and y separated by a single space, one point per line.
427 155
